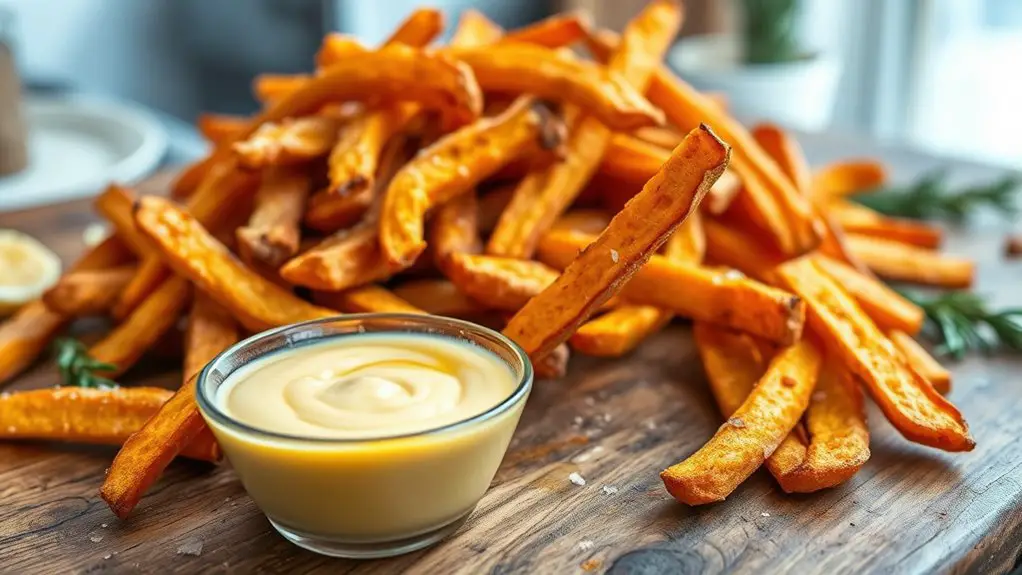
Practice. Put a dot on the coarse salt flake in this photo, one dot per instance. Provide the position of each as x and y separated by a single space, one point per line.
764 514
609 490
576 479
614 256
736 422
585 545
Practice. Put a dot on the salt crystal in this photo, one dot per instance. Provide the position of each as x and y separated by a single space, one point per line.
107 556
764 514
578 421
614 256
103 526
585 545
736 422
190 548
95 537
651 425
227 499
819 395
609 490
576 479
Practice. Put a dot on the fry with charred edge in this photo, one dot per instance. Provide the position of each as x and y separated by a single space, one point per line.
632 237
90 292
365 299
24 335
289 142
148 451
455 164
856 219
902 262
217 128
347 259
845 178
552 75
83 415
273 233
696 292
439 297
454 228
909 402
887 308
553 365
503 283
554 32
193 253
921 362
146 324
752 433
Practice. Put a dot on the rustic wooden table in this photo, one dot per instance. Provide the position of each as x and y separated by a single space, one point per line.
617 423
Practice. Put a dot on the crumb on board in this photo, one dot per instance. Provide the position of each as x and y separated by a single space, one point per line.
609 490
576 478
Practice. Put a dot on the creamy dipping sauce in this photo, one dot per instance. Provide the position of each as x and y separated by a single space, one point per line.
367 386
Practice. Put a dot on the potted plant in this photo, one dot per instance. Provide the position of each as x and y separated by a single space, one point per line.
764 71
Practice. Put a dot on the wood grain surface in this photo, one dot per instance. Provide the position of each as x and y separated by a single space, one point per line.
617 423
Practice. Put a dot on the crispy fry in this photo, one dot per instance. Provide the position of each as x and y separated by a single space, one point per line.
733 363
921 362
729 246
553 365
454 165
82 415
629 159
114 204
752 433
503 283
289 142
787 152
631 238
687 244
347 259
91 292
887 308
356 155
720 196
149 275
856 219
439 297
902 262
475 29
909 402
370 298
454 228
554 32
269 88
189 249
419 29
148 451
217 128
273 233
491 205
848 177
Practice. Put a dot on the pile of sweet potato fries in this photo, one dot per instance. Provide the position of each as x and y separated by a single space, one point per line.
554 194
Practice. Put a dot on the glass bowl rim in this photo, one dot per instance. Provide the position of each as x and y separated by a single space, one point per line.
209 408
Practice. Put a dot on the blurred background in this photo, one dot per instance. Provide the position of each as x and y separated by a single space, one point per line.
939 75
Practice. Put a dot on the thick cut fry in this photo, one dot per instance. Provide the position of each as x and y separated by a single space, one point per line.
149 275
289 142
439 297
502 283
217 128
491 205
273 233
921 361
552 75
909 402
90 292
554 32
26 334
856 219
347 259
454 229
454 165
366 299
553 365
752 433
699 293
178 423
632 237
83 415
887 308
902 262
146 324
720 196
848 177
193 253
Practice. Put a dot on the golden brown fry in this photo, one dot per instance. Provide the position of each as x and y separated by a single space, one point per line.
554 32
217 128
902 262
83 415
454 228
190 251
454 165
909 402
150 274
365 299
662 137
90 292
634 234
439 297
752 433
356 154
502 283
629 159
720 196
729 246
191 176
114 204
886 307
292 141
856 219
921 362
347 259
272 87
419 29
273 233
327 212
733 363
491 205
583 221
786 151
687 245
178 422
848 177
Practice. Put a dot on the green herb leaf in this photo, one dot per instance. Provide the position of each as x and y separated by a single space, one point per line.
77 368
930 198
961 323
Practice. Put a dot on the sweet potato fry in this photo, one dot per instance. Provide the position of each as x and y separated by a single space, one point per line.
273 233
148 451
584 221
191 176
887 308
687 245
356 154
554 32
83 415
629 159
150 274
24 335
217 128
909 402
921 362
696 292
418 30
269 88
752 433
114 204
856 219
454 228
660 136
370 298
632 237
439 297
902 262
492 204
454 165
503 283
347 259
91 292
553 365
723 192
729 246
192 252
289 142
848 177
787 152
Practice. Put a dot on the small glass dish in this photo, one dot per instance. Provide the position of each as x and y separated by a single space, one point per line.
373 497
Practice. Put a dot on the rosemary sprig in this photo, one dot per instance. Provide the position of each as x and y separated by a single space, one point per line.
77 368
930 198
961 322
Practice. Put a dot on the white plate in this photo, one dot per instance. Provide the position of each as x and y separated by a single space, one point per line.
77 146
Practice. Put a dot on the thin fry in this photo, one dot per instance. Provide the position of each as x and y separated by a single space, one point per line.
902 262
921 362
845 178
887 308
365 299
115 204
91 292
503 283
554 32
217 128
439 297
273 233
289 142
268 88
418 29
192 175
356 155
856 219
786 151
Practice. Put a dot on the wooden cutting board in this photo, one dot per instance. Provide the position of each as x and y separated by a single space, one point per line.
617 423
